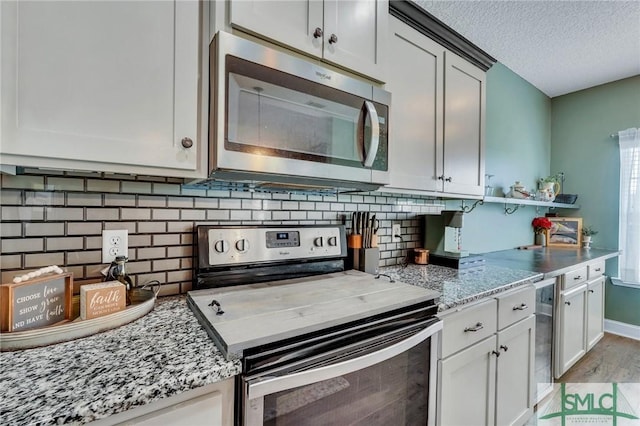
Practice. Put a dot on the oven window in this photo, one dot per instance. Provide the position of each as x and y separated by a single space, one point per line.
393 392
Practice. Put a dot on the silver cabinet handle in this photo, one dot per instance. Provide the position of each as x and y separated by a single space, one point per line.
270 384
504 347
475 328
496 353
441 177
317 33
577 278
522 307
591 291
448 179
187 142
333 39
598 269
567 303
375 134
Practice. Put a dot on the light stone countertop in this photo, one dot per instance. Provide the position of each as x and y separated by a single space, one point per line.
160 355
458 287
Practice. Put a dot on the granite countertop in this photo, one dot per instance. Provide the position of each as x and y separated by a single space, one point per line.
160 355
458 287
551 261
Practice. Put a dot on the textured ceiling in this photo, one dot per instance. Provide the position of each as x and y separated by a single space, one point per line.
558 46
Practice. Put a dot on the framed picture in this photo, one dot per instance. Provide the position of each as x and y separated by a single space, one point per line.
565 232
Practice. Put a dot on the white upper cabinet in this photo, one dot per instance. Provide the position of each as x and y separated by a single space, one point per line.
417 89
464 121
102 86
437 117
350 34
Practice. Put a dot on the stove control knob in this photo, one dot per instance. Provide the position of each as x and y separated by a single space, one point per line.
333 241
318 242
221 246
242 245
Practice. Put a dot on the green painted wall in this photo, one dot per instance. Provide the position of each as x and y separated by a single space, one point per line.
518 134
582 148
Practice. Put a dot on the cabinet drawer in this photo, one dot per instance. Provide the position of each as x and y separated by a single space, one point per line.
574 278
464 328
596 269
516 305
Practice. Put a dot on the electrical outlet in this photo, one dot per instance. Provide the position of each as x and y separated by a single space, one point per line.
395 232
114 243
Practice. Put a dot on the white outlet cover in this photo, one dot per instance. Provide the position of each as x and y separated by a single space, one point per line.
114 243
395 230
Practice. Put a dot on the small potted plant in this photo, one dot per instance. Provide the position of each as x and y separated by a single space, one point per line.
540 227
587 233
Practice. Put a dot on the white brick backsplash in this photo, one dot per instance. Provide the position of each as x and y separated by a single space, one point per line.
218 215
314 215
252 204
43 229
166 240
83 228
271 205
235 194
169 289
186 263
152 201
66 243
173 276
179 251
10 197
64 184
11 261
129 226
123 200
280 215
136 187
290 205
230 204
166 189
151 253
83 257
138 267
94 185
92 243
307 205
323 206
135 214
179 226
151 227
165 264
140 280
180 202
339 207
43 259
23 182
193 214
280 197
195 192
139 240
240 215
12 229
44 198
206 203
298 215
165 214
22 213
65 213
186 287
218 194
103 213
260 215
83 199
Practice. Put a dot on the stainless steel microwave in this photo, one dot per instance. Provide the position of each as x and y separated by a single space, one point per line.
278 118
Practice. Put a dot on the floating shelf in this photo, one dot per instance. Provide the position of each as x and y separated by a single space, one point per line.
524 202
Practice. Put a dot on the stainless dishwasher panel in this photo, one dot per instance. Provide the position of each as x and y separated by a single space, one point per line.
545 308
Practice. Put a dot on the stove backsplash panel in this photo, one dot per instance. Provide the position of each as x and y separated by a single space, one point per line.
57 218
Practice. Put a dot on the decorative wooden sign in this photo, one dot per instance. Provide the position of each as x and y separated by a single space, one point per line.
101 299
36 303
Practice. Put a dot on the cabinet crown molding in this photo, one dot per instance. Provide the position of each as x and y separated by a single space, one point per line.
418 18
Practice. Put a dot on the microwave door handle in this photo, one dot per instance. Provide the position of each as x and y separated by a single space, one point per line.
375 134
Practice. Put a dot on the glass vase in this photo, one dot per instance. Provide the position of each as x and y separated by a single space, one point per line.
540 240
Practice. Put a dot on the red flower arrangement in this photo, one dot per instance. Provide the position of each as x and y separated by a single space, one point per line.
540 224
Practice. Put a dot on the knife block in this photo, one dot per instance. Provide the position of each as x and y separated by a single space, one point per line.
369 260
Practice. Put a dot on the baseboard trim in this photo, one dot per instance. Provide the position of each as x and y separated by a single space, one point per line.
622 329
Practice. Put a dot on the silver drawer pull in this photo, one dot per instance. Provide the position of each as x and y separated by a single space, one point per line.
598 269
577 278
477 327
522 307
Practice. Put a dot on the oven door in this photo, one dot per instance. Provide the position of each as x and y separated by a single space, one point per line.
382 380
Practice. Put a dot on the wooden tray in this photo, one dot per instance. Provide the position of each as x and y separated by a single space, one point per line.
142 302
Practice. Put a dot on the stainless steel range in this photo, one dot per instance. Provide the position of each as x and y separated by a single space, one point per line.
318 344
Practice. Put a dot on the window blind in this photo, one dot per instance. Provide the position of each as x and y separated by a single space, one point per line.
629 233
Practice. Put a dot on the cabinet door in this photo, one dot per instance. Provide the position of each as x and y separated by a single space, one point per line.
515 376
464 118
355 35
106 86
572 328
467 384
595 312
415 80
291 23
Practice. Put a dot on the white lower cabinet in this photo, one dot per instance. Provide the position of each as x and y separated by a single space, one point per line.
210 405
595 311
580 322
490 379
